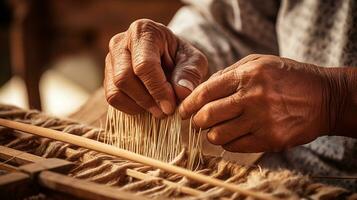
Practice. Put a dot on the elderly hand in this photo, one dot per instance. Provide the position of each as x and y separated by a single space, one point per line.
148 67
262 103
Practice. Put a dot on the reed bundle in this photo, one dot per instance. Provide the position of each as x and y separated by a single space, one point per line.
160 139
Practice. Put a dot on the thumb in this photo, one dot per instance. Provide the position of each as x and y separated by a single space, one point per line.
191 69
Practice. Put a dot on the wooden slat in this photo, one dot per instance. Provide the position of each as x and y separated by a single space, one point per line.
18 157
15 185
81 188
108 149
12 178
8 168
51 164
8 153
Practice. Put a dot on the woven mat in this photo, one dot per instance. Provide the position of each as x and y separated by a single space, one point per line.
105 169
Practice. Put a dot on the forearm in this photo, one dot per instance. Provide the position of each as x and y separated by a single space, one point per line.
342 101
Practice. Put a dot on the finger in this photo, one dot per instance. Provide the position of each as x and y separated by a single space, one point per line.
251 57
216 74
245 60
228 131
208 91
116 98
249 143
125 79
219 111
147 66
123 102
190 71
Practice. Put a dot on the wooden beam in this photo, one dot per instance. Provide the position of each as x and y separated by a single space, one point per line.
8 168
15 185
18 157
52 164
81 188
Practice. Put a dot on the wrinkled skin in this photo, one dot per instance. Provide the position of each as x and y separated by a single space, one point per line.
149 68
261 103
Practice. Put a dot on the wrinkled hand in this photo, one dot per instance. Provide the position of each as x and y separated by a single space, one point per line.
261 103
148 67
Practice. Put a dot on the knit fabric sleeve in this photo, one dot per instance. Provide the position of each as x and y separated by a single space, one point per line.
227 30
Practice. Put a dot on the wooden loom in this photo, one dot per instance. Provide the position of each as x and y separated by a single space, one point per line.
51 174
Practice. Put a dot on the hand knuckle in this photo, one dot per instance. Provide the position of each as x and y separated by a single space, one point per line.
203 118
234 99
112 96
216 74
121 80
115 40
193 73
142 26
157 90
213 137
145 102
207 116
107 60
253 56
140 22
204 94
143 66
259 70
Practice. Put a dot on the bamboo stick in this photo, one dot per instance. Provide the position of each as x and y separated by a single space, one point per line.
104 148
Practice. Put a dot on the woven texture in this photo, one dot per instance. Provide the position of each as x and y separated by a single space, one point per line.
105 169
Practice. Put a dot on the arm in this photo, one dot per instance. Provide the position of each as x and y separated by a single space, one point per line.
342 82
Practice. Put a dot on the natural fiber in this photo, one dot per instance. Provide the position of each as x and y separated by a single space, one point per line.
144 134
112 171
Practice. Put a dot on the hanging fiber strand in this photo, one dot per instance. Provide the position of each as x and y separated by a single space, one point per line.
144 134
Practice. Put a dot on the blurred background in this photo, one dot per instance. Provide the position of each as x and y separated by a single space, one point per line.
52 52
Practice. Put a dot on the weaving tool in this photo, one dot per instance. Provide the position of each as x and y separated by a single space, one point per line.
104 148
145 180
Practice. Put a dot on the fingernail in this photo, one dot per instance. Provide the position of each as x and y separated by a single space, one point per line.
186 84
166 107
156 111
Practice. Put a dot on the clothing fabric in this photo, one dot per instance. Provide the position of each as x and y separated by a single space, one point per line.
312 31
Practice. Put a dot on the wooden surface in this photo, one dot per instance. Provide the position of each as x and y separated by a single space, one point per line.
18 157
83 189
15 185
52 164
13 154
